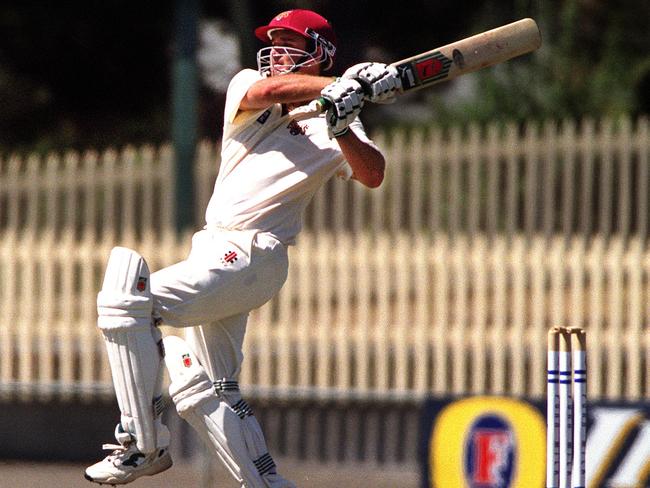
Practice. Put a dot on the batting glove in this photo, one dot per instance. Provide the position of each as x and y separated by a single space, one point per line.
344 99
380 81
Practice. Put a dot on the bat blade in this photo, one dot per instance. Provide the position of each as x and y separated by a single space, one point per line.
470 54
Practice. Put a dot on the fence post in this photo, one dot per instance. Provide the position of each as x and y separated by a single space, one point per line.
184 102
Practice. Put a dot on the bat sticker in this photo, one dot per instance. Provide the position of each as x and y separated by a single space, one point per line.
406 75
459 59
429 69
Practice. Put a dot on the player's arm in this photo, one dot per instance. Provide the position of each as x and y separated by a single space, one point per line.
344 99
366 161
287 88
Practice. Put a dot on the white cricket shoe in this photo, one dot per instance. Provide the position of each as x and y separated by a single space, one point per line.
126 463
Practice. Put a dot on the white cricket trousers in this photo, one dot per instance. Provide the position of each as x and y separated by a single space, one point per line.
226 275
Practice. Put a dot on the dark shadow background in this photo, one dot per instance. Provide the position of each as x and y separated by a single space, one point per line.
94 73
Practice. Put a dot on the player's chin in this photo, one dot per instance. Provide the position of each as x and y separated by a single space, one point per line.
279 71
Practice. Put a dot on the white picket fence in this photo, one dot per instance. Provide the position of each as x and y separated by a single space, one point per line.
444 280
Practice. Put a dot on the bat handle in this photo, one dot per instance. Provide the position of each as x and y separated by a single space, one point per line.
323 104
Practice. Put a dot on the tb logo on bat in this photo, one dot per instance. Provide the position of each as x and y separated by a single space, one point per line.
427 69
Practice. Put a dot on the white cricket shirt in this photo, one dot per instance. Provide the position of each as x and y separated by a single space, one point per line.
272 164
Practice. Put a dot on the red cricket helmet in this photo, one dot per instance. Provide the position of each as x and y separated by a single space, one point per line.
309 24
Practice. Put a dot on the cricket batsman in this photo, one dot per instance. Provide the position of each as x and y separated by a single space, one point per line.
278 149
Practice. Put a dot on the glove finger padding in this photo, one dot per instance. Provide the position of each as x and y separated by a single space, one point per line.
345 97
380 81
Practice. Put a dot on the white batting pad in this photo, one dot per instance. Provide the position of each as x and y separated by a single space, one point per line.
222 418
124 306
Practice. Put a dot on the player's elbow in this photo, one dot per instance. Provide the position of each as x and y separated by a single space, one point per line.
373 175
260 95
374 178
377 179
266 92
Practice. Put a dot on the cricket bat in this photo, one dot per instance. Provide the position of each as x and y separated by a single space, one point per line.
465 56
470 54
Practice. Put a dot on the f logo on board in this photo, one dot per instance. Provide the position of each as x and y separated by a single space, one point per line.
490 453
487 442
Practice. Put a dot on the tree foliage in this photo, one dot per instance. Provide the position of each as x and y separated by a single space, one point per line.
82 73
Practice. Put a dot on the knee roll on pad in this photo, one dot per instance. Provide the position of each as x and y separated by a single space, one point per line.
124 307
221 417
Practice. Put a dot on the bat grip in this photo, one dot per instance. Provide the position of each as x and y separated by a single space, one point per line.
323 104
